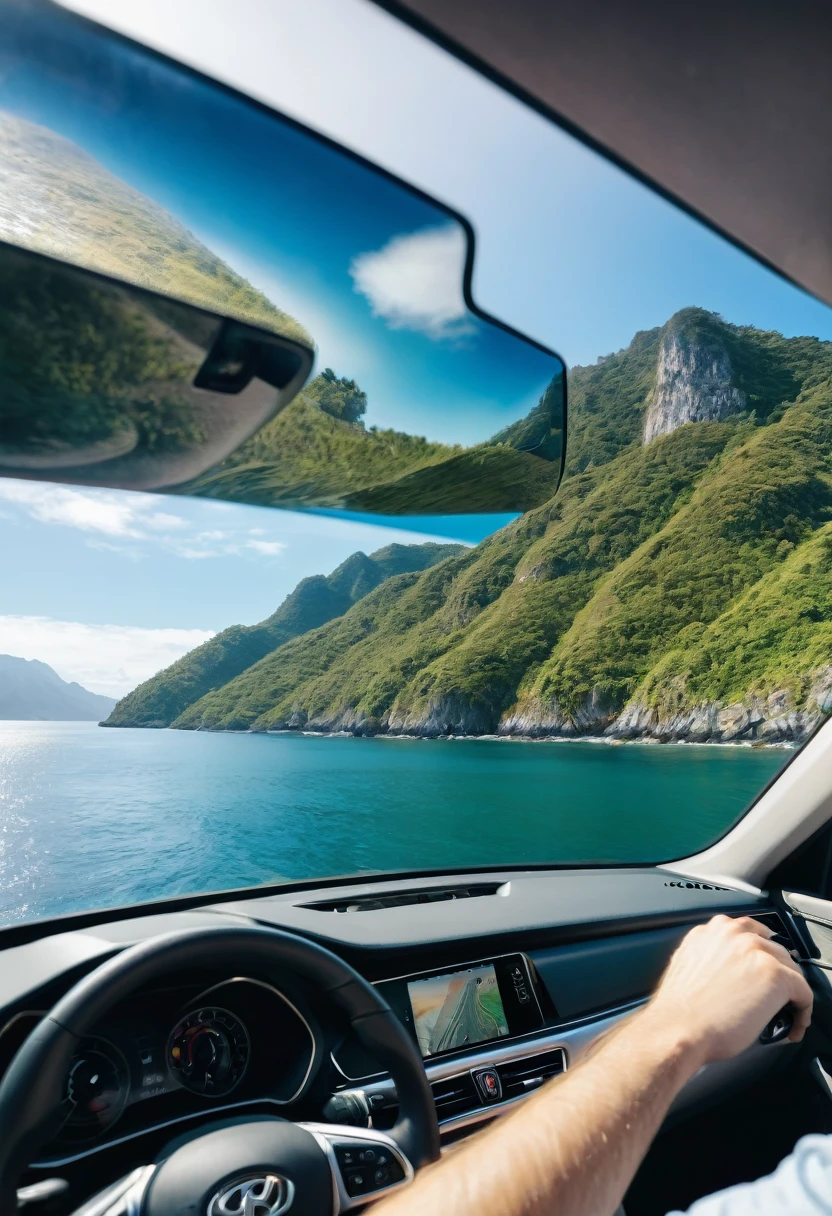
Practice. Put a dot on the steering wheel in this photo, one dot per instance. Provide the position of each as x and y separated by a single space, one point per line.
246 1166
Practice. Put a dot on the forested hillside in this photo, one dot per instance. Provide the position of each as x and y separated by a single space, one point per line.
678 586
315 600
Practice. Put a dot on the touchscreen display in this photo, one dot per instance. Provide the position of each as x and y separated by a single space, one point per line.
456 1009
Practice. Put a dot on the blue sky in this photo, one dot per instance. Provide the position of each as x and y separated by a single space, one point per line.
570 251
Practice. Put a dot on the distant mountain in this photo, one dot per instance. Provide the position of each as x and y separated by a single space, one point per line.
33 691
679 586
316 600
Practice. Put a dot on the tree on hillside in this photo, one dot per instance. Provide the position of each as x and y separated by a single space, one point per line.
337 396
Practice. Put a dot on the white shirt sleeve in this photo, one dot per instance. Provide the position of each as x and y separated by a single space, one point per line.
800 1186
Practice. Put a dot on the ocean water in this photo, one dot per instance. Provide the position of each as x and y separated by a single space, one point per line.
94 818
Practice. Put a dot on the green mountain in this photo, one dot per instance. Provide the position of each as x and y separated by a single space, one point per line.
314 601
678 586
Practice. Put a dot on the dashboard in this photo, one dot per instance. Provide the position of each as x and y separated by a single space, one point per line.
502 981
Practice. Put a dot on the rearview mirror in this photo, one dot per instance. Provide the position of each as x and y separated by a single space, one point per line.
105 384
177 257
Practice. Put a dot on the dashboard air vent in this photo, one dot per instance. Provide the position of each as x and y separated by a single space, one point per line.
688 884
456 1096
522 1076
401 899
775 922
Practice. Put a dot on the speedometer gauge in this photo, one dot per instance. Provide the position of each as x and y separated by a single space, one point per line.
208 1051
97 1089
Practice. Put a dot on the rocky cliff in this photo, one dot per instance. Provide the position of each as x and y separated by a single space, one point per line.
778 717
693 384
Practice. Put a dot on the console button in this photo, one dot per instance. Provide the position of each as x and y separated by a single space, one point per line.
355 1184
367 1169
487 1081
395 1173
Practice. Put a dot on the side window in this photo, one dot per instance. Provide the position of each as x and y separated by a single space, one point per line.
808 868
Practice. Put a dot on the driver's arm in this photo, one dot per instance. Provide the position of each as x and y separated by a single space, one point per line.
574 1147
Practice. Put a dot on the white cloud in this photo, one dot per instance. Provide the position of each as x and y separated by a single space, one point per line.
269 548
111 514
191 553
415 281
109 659
127 519
161 521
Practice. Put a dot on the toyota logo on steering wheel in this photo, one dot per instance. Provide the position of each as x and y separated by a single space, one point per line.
266 1195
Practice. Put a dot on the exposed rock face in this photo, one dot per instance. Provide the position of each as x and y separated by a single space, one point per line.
537 720
448 716
443 716
773 718
693 384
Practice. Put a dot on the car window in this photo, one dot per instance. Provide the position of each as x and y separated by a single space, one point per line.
422 671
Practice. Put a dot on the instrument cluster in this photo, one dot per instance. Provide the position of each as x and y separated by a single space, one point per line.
170 1053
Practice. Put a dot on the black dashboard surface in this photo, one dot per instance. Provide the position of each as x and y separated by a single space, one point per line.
526 910
560 904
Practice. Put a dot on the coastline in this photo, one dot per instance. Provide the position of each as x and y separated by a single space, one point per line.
648 741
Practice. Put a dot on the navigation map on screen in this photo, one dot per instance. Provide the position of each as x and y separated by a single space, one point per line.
452 1010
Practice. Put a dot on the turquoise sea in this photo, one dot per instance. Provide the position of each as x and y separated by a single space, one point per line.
95 818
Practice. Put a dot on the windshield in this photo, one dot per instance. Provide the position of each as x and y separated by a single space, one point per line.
198 695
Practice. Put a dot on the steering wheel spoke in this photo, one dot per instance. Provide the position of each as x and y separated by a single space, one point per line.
122 1198
365 1163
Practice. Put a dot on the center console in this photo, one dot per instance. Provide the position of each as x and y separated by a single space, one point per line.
448 1012
478 1029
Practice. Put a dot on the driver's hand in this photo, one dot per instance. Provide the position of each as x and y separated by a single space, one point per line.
726 981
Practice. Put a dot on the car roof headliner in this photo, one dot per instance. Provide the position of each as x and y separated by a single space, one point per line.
725 106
